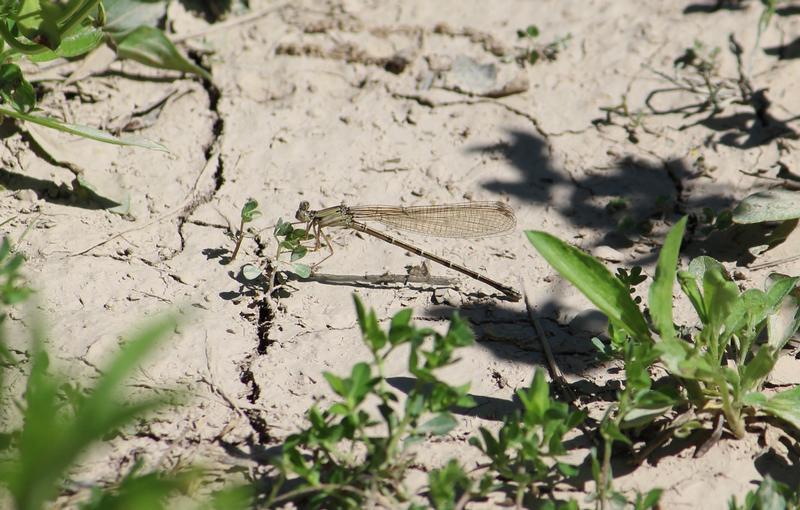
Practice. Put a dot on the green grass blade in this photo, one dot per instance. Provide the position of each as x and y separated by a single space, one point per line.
596 282
130 357
660 297
83 131
50 442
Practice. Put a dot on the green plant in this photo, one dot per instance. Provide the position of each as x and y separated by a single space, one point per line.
770 495
534 51
42 30
249 213
290 240
526 454
60 422
348 458
450 487
12 288
720 368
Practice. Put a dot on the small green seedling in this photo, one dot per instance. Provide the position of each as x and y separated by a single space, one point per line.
249 213
720 369
535 51
290 240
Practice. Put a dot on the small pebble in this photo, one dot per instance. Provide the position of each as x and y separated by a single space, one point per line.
447 297
26 195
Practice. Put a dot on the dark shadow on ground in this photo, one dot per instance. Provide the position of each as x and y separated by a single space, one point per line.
734 243
781 467
49 191
621 201
210 11
510 335
785 51
718 5
752 128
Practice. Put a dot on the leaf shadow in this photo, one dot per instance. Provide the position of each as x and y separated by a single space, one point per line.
50 192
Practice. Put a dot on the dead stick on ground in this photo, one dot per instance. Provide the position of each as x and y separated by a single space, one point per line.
765 265
555 372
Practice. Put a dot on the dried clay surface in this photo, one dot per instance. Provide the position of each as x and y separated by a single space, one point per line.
396 103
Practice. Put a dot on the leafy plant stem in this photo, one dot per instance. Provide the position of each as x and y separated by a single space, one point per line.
82 10
239 239
28 49
291 495
398 433
733 417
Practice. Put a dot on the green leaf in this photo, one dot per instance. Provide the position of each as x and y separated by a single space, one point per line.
647 407
124 16
301 270
660 298
250 272
368 322
758 368
439 425
689 286
15 89
151 47
400 328
567 470
250 211
360 376
336 383
784 320
49 443
282 228
83 131
459 334
786 406
532 31
769 205
38 21
445 485
73 45
536 400
721 295
239 497
596 282
145 491
650 500
298 253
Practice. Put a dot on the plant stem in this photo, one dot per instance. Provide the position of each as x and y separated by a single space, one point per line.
239 241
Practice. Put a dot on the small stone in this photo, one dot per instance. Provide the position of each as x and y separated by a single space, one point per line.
26 195
590 321
447 296
608 254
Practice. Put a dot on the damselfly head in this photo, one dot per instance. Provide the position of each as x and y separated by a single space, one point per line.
303 214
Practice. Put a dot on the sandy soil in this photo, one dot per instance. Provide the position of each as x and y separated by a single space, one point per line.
366 102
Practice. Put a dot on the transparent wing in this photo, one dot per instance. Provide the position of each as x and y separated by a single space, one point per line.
464 220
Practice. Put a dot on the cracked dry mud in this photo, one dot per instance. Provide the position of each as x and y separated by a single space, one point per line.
331 103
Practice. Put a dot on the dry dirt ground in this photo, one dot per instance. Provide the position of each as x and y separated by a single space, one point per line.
387 102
